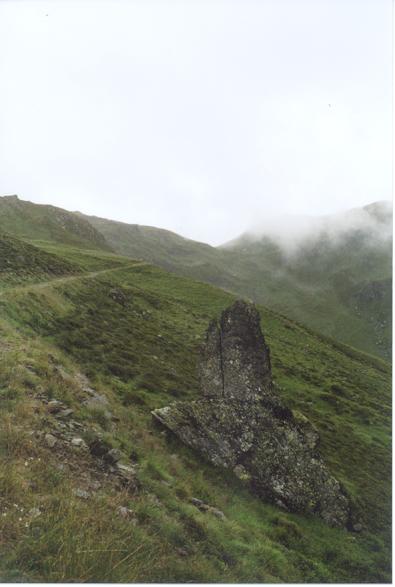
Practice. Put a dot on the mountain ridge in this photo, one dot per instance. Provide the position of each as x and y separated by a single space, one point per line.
45 222
324 283
375 219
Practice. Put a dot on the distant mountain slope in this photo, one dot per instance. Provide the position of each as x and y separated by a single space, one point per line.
333 274
167 249
319 272
36 222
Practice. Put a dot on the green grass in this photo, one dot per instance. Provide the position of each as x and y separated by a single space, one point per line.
141 353
21 263
339 288
36 222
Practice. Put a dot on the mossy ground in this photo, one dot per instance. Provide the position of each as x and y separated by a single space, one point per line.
141 353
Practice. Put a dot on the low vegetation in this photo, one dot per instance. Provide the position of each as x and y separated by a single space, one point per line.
85 356
337 286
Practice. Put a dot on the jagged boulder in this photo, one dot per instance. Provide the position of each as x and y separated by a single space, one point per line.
241 424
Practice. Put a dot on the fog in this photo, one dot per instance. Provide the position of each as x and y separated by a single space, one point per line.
202 117
292 231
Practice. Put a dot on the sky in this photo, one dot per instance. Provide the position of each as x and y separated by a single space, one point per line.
199 116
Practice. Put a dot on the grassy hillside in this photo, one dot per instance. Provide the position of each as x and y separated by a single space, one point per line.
319 283
340 287
23 263
47 223
121 339
167 249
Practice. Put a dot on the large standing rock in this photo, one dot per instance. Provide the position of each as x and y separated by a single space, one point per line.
235 360
241 424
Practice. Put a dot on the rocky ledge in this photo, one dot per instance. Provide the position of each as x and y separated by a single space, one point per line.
241 424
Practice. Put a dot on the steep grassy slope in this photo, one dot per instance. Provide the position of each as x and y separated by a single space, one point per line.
47 223
134 330
341 287
22 263
320 283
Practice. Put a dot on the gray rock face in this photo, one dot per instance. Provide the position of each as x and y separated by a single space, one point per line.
241 424
235 360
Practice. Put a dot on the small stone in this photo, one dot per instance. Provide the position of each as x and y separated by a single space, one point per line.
113 456
81 493
66 413
125 512
125 469
84 383
280 504
50 440
54 406
34 513
182 551
99 447
78 442
242 473
217 513
95 485
204 507
197 502
118 296
127 475
357 527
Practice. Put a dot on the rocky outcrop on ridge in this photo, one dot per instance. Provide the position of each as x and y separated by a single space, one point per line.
241 424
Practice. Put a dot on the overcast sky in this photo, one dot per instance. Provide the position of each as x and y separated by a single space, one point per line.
197 116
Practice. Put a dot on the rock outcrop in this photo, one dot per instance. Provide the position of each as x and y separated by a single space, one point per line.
241 424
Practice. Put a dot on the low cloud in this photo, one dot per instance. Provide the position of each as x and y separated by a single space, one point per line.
292 232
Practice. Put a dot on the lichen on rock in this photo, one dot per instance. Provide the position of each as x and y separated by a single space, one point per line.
241 424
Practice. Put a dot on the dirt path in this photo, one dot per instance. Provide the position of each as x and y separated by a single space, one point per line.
68 278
